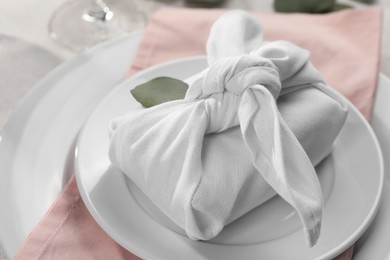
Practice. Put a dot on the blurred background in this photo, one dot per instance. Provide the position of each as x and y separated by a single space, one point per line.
28 19
25 27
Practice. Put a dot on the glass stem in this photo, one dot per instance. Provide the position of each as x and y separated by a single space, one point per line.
98 12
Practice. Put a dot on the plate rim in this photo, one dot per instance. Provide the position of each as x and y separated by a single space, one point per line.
37 92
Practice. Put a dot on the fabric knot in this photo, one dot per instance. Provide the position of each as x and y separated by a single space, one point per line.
234 75
223 83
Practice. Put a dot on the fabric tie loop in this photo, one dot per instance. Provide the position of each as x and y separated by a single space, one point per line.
223 96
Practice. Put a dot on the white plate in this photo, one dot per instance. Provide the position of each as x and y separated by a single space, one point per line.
375 242
27 194
36 140
352 179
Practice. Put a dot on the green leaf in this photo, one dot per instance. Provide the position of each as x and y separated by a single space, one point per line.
340 7
324 6
365 1
159 90
303 6
293 6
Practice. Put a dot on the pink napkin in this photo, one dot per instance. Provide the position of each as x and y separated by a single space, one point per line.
344 47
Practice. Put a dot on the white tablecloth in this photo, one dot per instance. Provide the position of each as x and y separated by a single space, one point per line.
24 29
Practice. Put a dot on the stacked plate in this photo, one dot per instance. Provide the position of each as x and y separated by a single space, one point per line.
60 129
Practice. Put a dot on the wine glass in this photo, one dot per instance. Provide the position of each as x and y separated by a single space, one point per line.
80 24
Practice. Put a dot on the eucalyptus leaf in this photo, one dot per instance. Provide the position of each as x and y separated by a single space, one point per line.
324 6
159 90
366 1
339 7
303 6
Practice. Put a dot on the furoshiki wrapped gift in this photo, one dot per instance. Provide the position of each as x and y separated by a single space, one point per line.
253 124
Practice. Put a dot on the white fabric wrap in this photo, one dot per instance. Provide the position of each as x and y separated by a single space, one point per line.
229 145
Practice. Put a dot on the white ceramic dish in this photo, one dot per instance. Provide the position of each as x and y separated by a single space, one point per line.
36 140
374 244
352 180
29 182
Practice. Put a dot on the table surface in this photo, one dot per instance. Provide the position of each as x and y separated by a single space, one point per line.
24 29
